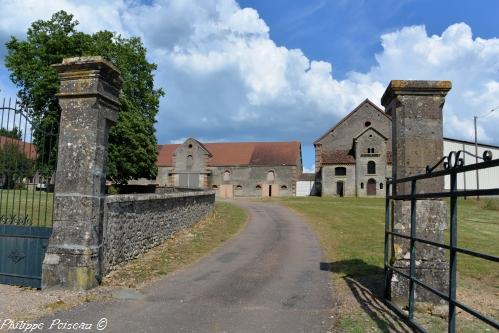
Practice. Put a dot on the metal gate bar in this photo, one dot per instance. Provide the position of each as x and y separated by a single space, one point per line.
453 165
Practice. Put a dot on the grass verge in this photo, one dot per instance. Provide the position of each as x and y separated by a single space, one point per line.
351 232
182 249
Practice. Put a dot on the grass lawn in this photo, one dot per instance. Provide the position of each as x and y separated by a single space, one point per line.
27 206
183 248
351 232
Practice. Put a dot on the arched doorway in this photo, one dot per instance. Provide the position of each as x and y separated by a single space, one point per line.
340 188
371 187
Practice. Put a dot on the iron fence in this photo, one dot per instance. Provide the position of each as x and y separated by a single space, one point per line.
28 154
453 164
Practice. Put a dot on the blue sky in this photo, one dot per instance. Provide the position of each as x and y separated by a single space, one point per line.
289 70
347 33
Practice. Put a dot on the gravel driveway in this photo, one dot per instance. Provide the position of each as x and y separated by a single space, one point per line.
266 279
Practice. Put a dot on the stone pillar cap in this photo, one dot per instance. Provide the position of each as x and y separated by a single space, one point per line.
81 64
414 87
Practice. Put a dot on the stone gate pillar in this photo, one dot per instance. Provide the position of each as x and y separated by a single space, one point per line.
89 101
417 141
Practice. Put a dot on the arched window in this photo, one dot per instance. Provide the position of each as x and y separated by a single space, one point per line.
371 168
239 187
189 162
284 187
372 150
362 185
380 186
340 171
215 187
226 175
270 176
258 187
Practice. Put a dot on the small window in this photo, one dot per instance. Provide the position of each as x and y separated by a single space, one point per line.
270 176
239 187
380 186
190 145
284 187
367 123
214 187
258 187
371 168
189 162
340 171
372 150
362 185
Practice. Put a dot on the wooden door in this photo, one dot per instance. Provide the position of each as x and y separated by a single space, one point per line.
371 187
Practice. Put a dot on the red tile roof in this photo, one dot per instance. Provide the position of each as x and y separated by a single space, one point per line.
28 148
337 157
241 153
307 177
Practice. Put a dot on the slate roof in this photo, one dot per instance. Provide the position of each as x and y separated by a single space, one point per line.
241 153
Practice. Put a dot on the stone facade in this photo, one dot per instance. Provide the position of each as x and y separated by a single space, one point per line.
232 169
137 222
343 154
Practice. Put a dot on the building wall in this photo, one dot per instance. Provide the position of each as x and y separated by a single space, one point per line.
134 223
245 180
488 178
342 136
330 180
370 140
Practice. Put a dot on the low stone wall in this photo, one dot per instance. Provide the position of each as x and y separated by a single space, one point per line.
134 223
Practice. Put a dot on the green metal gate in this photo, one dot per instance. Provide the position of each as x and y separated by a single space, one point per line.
453 164
28 155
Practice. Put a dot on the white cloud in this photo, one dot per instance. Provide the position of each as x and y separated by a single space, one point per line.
309 170
225 77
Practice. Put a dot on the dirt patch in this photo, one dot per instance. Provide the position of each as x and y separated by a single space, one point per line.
20 303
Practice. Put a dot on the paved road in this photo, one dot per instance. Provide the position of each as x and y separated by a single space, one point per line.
266 279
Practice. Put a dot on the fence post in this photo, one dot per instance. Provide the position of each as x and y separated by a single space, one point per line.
417 141
89 106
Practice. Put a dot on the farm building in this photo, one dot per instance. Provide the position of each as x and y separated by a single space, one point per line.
354 157
232 169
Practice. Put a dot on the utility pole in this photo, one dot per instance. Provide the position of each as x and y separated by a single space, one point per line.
476 145
476 159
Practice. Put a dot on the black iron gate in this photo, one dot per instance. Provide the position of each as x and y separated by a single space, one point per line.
28 155
453 164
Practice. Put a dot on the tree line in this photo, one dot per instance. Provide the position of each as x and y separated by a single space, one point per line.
132 149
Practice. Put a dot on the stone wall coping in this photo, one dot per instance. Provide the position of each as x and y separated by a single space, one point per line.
415 87
155 196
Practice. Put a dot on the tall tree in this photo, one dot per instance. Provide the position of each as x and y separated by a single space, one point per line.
14 164
132 149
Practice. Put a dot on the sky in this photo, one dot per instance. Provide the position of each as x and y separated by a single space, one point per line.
280 70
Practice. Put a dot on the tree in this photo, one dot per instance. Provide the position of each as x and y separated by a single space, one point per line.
14 133
132 142
14 165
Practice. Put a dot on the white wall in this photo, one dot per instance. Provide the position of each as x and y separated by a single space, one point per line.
488 178
304 188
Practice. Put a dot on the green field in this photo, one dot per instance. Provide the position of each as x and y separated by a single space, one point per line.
351 232
26 207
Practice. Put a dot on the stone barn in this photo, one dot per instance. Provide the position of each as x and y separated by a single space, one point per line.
354 157
232 169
